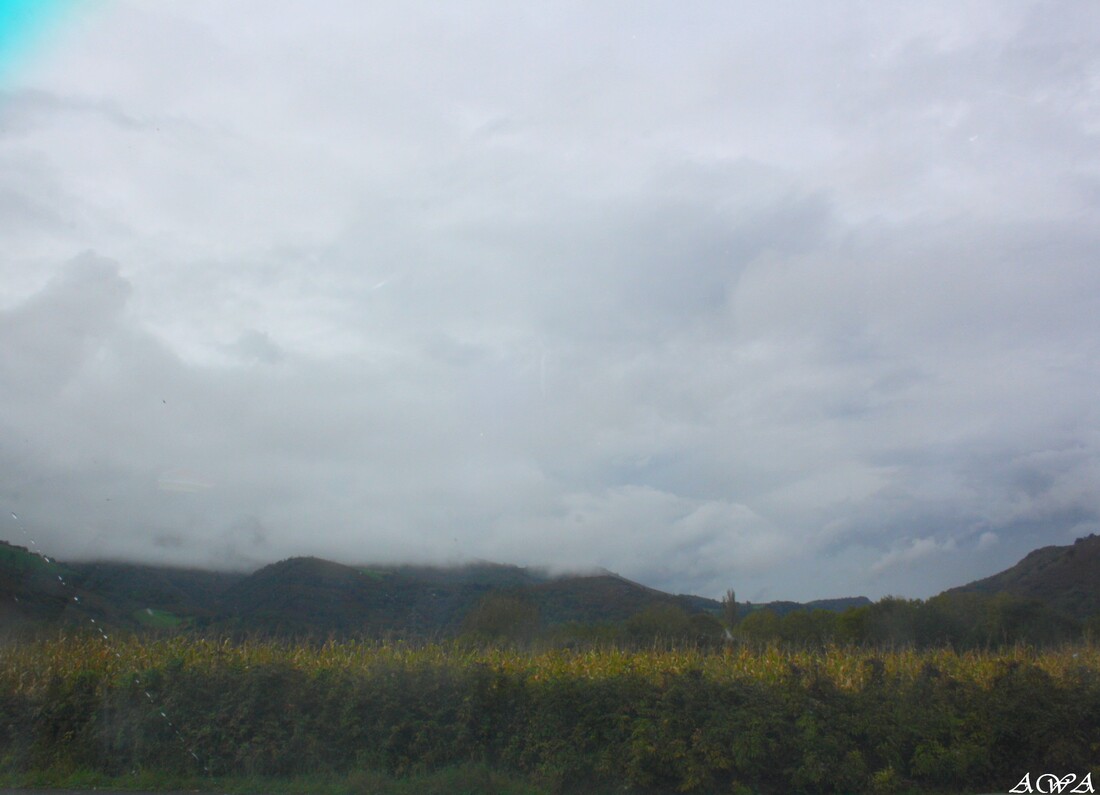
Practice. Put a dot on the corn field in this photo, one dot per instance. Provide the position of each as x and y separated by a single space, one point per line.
24 668
734 720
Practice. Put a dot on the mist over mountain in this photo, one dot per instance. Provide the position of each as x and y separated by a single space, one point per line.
1052 593
309 596
799 299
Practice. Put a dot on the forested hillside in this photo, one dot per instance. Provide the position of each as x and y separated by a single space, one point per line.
1066 579
1048 598
310 597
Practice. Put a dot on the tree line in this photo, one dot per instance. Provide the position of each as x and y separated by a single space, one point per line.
966 620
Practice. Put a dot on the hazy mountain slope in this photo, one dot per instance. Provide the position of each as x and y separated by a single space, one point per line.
603 597
484 573
782 608
308 596
31 592
318 597
134 586
1066 579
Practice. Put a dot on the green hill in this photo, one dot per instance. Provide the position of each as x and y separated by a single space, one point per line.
308 596
33 590
1065 579
605 597
303 596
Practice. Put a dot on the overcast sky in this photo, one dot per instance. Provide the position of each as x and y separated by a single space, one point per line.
797 298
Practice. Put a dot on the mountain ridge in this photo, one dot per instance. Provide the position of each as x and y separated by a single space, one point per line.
307 595
1065 578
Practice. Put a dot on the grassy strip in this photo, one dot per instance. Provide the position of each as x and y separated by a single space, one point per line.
157 619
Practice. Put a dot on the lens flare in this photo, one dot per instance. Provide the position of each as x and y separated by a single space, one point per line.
24 24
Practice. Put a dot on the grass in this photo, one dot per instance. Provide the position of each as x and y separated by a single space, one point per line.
19 559
157 619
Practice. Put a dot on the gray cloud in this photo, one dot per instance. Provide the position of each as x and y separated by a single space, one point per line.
48 338
797 303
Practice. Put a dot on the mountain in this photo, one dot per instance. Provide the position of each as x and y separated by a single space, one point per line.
1065 579
605 597
38 592
313 596
783 608
32 589
308 596
135 587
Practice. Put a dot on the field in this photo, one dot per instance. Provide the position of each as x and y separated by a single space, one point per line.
741 720
157 619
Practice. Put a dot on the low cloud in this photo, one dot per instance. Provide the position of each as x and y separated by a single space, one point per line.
760 302
917 549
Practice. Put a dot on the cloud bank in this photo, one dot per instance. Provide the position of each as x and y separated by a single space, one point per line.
802 304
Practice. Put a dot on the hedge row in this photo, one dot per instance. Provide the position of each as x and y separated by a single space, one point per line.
682 731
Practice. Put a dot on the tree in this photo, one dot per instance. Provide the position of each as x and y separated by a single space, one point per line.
706 629
502 617
761 626
662 622
730 609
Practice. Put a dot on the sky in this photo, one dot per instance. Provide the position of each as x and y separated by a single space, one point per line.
800 299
